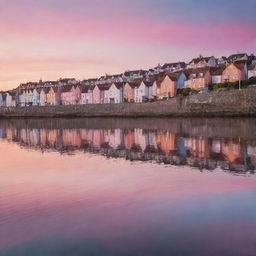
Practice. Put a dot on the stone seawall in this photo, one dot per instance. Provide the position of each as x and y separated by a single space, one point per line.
215 104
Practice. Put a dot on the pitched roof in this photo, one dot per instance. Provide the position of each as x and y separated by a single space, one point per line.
201 58
252 67
133 84
147 83
237 56
119 85
240 66
175 65
67 88
104 87
217 71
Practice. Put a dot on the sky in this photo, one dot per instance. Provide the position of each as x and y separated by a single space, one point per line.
52 39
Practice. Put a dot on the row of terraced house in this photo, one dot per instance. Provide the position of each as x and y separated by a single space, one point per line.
159 83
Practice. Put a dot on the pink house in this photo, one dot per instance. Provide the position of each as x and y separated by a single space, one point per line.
70 95
98 93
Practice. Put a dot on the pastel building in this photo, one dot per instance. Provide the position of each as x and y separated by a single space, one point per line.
234 72
114 94
252 71
86 95
202 62
199 79
43 97
98 93
70 95
141 93
53 97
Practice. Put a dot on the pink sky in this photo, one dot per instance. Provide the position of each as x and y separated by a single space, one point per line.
83 39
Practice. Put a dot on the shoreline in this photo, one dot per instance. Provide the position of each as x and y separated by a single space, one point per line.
233 103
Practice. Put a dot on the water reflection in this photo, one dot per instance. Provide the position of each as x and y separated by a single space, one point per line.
229 144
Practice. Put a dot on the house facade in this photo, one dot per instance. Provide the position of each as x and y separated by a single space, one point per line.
199 79
53 97
114 94
86 96
252 71
36 97
167 87
98 93
2 99
43 93
141 92
11 99
129 91
234 72
70 94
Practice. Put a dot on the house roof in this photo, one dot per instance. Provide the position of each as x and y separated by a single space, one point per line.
237 56
252 67
201 58
175 65
119 85
134 84
217 71
67 88
148 83
240 66
133 72
104 87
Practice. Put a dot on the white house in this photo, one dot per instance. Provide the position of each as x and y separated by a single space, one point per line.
142 92
202 62
86 96
115 93
252 71
11 100
28 97
36 97
2 99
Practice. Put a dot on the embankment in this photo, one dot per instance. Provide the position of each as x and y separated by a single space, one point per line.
232 103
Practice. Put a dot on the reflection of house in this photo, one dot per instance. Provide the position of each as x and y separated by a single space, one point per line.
71 138
198 147
129 139
166 141
232 152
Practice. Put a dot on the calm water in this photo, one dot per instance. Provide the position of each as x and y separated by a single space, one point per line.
128 187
